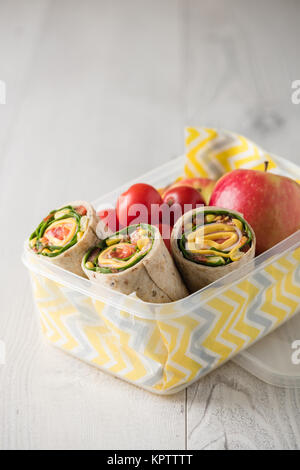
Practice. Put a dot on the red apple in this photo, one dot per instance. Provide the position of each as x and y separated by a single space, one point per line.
270 203
204 186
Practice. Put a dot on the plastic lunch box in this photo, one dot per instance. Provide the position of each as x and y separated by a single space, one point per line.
165 347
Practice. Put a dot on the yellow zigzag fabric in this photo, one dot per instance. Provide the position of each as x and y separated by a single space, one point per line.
210 153
164 356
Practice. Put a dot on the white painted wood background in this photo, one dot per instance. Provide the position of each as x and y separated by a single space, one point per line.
98 92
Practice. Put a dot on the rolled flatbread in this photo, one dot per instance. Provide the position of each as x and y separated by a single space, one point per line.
65 234
136 259
210 242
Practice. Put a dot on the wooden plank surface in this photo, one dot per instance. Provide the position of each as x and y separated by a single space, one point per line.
229 409
85 121
243 54
97 93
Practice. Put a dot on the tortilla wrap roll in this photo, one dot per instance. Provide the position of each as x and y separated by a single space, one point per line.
210 242
65 235
136 259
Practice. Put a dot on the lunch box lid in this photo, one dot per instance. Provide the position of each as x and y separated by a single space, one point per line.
276 358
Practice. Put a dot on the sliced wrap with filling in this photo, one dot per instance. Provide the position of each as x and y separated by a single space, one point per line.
209 243
65 234
136 259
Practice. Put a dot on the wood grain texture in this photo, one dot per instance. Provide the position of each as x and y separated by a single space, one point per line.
108 86
229 409
241 60
88 97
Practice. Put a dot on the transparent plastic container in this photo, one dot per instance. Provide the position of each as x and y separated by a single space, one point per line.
166 347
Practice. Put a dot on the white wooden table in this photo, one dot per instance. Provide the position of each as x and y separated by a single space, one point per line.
98 92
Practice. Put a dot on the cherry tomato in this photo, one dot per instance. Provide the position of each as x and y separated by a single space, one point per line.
45 219
181 199
60 232
122 252
137 204
109 220
204 185
165 231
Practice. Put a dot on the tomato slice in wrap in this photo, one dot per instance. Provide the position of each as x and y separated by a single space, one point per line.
59 230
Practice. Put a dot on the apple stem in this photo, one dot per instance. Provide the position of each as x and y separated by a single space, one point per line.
266 166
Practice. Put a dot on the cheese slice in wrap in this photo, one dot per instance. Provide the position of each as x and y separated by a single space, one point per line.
65 234
136 259
210 242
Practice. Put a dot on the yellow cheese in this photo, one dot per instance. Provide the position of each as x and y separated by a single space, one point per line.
142 242
32 242
112 241
59 214
203 239
238 223
210 218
